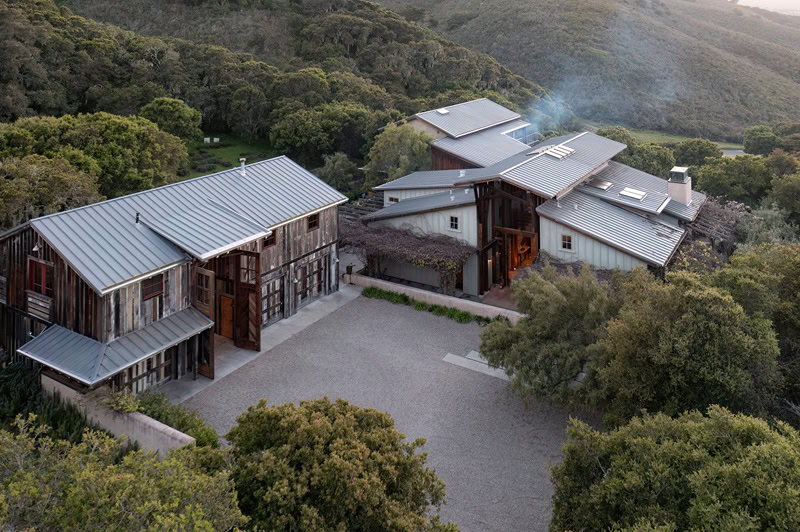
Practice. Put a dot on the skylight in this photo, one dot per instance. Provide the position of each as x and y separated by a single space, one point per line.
443 111
599 183
559 152
633 193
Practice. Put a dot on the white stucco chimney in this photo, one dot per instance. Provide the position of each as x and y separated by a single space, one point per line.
679 185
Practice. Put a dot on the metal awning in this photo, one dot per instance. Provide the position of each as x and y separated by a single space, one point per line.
92 362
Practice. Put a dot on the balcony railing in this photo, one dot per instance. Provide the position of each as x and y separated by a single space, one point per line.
38 305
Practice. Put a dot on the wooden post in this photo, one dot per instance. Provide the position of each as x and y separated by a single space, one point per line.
194 357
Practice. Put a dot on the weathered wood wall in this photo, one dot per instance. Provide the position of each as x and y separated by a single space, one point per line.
126 311
441 160
74 305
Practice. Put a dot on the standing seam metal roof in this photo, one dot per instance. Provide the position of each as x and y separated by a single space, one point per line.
618 172
432 202
469 117
107 248
91 362
428 179
548 176
647 239
485 147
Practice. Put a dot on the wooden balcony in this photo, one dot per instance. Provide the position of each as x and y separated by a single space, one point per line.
38 305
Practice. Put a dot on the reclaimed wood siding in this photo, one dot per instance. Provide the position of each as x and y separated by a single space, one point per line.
75 305
126 311
294 240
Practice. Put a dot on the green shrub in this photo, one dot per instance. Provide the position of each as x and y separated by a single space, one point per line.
461 316
123 401
157 406
439 310
21 393
419 305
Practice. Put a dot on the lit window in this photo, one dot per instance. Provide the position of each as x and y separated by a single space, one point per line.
454 223
566 242
40 276
269 241
313 222
393 200
152 287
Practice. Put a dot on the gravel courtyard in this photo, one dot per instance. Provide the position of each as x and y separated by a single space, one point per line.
492 451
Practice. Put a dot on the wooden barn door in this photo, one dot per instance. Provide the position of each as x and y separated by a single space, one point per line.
247 304
204 302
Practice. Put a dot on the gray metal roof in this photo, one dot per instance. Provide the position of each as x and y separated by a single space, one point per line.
617 172
428 179
652 203
637 235
107 248
91 362
546 175
468 117
485 147
432 202
207 230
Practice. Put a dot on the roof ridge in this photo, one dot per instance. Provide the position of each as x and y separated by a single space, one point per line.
457 104
150 190
537 155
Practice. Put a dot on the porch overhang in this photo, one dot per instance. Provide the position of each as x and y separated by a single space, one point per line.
91 362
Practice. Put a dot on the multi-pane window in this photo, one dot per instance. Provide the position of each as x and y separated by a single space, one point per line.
248 269
269 241
454 223
392 199
566 242
40 277
313 222
202 289
152 287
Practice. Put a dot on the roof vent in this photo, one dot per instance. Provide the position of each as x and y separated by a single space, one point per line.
576 206
461 173
242 169
596 182
137 217
633 193
443 111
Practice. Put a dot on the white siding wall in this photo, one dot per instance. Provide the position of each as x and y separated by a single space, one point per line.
438 222
409 193
584 248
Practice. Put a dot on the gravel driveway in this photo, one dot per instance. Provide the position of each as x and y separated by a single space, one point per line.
492 451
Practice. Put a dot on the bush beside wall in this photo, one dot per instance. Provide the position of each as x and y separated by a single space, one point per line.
157 406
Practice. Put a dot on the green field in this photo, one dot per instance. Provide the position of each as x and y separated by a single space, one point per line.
659 137
206 159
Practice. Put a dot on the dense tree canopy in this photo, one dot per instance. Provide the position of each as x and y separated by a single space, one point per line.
637 344
126 154
648 157
746 178
36 185
174 117
331 466
718 471
398 151
694 152
50 484
760 140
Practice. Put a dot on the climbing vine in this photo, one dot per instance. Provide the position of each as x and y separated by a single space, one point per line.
374 245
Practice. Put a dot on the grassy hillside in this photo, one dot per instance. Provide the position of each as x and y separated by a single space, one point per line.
696 67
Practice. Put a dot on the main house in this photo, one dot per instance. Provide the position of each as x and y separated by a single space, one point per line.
565 196
136 290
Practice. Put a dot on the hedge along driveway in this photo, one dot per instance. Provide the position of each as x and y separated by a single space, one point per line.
492 451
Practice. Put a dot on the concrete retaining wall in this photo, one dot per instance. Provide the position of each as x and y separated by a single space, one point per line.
433 298
151 435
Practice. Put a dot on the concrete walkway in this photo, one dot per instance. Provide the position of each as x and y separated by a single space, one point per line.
228 358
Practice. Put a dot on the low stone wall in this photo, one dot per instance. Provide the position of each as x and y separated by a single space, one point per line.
151 435
432 298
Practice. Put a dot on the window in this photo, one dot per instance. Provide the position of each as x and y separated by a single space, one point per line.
202 289
269 241
152 287
454 223
566 242
313 222
393 199
40 276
